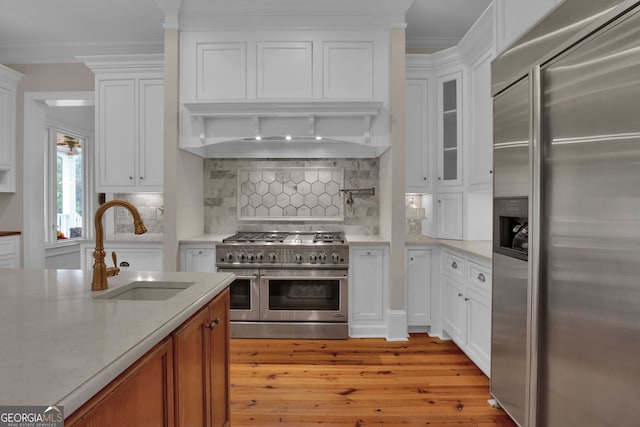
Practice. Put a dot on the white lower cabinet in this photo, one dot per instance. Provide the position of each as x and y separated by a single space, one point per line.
198 258
418 277
367 290
130 256
10 251
466 305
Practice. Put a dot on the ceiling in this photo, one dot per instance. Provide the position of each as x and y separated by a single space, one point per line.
37 31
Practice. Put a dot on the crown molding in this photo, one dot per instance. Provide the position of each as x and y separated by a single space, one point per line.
56 52
10 75
124 63
430 42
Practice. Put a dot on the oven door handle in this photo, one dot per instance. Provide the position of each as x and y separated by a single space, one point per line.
303 277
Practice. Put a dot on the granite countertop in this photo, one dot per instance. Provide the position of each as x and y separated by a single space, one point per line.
482 248
206 238
59 345
9 233
130 238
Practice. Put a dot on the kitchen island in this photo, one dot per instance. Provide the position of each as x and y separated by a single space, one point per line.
61 345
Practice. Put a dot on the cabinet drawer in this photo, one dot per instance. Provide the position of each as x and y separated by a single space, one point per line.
8 246
479 276
453 265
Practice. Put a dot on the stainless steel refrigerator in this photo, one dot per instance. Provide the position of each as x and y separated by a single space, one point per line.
566 290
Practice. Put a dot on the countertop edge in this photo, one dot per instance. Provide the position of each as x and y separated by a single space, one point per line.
455 245
85 391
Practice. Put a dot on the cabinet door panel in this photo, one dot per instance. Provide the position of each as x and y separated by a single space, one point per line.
449 216
368 292
151 148
200 260
116 134
220 409
454 310
419 287
481 155
450 130
479 329
6 100
142 396
192 371
417 165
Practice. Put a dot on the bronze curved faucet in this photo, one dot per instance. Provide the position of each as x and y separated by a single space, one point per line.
100 270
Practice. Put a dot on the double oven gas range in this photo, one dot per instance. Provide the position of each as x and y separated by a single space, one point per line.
288 284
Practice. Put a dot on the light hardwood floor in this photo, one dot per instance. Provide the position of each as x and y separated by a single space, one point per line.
358 382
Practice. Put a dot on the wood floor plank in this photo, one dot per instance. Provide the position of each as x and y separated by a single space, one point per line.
358 382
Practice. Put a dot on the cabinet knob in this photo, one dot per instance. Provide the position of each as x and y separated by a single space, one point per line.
199 252
130 177
424 178
214 323
490 171
459 294
466 299
368 253
439 179
439 201
481 277
454 265
142 177
411 258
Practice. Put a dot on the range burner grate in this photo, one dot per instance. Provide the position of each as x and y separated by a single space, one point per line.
258 236
336 237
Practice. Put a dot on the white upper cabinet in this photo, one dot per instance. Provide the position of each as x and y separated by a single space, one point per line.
417 137
515 17
129 123
8 82
315 86
450 131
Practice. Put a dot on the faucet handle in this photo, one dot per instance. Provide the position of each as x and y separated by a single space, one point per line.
116 269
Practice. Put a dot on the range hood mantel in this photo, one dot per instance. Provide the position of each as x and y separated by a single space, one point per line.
228 128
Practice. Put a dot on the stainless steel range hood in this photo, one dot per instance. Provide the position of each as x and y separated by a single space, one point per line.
285 129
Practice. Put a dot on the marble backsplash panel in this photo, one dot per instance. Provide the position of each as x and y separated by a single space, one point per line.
223 180
150 206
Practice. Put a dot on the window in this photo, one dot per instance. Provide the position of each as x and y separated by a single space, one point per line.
65 184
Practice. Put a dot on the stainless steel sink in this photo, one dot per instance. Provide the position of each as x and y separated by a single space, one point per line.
146 291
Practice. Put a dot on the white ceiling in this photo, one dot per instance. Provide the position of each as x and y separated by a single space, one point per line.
37 31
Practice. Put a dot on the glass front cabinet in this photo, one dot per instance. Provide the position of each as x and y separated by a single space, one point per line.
450 130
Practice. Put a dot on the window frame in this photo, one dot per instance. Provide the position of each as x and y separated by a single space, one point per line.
52 128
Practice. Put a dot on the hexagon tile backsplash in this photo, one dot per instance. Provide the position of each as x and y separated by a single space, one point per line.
230 206
290 194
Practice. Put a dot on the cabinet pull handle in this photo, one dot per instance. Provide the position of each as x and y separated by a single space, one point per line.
214 323
459 294
481 277
454 265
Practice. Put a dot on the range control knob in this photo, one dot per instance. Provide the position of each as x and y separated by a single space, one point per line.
298 258
251 257
241 257
229 257
272 257
322 257
259 257
335 257
313 258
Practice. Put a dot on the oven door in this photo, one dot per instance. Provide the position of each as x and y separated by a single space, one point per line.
303 295
245 296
